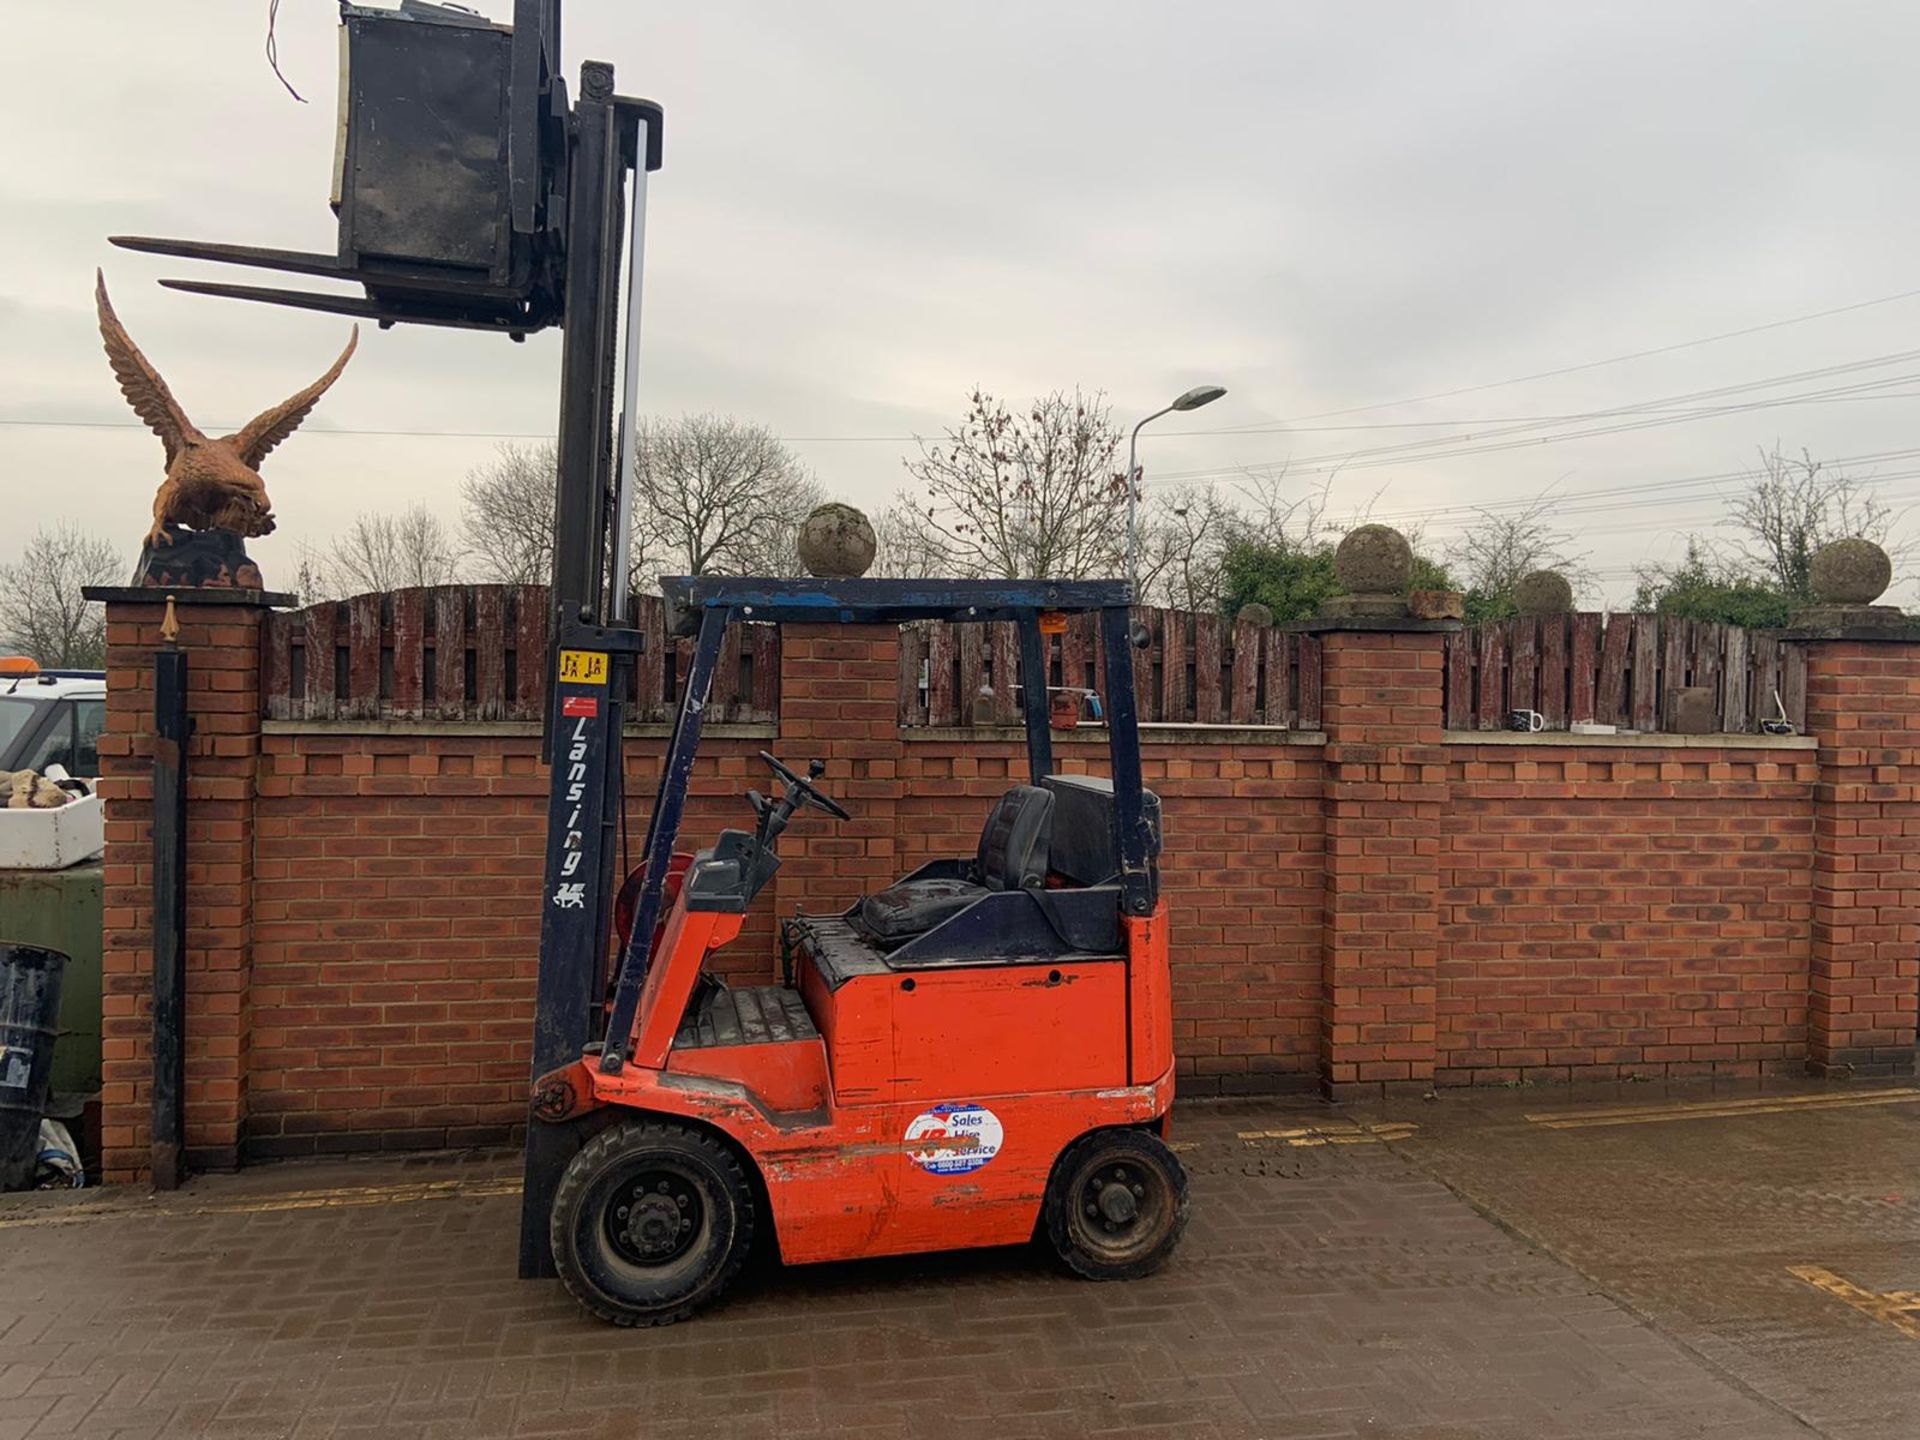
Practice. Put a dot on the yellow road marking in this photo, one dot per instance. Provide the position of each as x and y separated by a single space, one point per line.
1898 1308
1333 1132
343 1197
1587 1117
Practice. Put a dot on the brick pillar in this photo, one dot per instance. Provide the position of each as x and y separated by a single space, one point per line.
839 702
1386 780
1863 706
221 634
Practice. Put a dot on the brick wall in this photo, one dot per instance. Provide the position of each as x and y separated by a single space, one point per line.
1863 704
1383 904
223 689
1616 911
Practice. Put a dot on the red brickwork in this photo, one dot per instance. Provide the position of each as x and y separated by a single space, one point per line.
224 705
1863 704
1394 906
1385 786
1612 911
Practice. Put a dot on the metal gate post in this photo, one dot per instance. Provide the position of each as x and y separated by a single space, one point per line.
170 730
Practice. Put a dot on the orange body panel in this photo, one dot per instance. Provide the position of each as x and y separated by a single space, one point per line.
1150 986
856 1185
791 1076
690 936
929 1112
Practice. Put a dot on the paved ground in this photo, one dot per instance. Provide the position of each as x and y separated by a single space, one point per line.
1636 1279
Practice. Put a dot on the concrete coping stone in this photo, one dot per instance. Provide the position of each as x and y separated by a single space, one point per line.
1389 624
189 595
1155 733
495 729
1654 740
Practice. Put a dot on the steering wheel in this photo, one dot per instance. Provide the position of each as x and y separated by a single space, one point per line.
807 792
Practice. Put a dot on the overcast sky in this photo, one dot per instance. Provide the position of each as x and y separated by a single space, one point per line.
869 208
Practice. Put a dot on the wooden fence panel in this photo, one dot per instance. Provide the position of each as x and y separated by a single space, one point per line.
490 651
913 656
469 653
276 665
1491 689
973 668
1553 670
1707 638
1618 670
1610 686
1079 651
764 646
1176 700
941 665
450 652
1207 668
1764 658
1245 700
1004 645
1793 684
1309 670
1459 666
1733 692
649 695
1581 703
1278 652
1523 664
527 695
1645 673
409 654
1675 642
362 699
1146 693
727 696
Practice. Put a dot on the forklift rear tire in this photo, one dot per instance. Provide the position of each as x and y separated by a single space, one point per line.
651 1221
1116 1205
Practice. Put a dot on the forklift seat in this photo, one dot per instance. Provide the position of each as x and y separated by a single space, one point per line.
1012 855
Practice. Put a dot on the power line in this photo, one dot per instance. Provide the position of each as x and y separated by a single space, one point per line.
28 422
1655 412
1635 496
1592 364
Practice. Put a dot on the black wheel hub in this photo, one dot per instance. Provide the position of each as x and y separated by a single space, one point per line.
654 1217
1112 1198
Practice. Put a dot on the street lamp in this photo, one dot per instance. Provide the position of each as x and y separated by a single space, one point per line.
1192 400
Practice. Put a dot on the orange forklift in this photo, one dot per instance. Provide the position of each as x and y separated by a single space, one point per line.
978 1054
974 1055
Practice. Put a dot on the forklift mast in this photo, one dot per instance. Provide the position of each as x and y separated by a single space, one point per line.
471 192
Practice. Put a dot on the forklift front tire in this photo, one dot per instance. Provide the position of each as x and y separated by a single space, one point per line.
651 1221
1116 1205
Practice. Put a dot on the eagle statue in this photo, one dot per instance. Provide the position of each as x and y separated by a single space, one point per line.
213 483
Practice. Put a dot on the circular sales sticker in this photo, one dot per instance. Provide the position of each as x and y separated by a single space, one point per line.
954 1139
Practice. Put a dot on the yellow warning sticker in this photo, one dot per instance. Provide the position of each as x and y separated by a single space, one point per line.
583 667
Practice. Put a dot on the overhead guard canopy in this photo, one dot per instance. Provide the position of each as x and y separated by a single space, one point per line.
857 602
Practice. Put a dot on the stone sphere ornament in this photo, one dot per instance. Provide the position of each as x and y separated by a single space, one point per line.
1850 572
1543 592
836 542
1254 613
1374 560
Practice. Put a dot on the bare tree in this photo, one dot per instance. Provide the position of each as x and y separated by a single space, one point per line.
313 576
42 612
384 551
906 548
1794 505
506 516
1184 536
716 495
1031 496
1498 548
712 495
